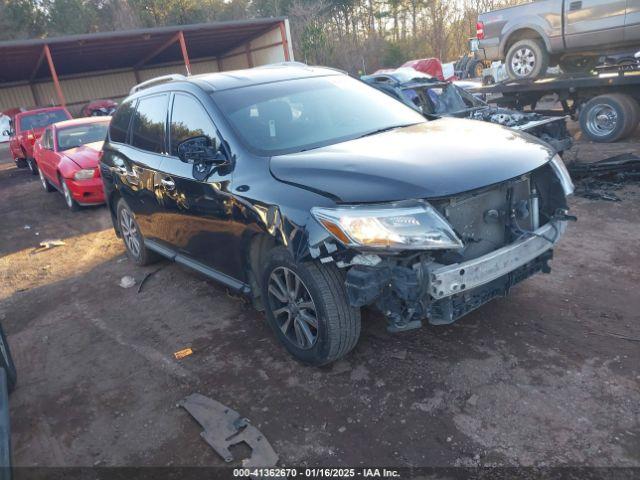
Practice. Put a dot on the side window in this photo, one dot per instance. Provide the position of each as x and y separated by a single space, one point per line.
149 124
189 119
120 123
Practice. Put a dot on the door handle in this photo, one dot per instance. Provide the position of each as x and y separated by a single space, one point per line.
575 5
168 184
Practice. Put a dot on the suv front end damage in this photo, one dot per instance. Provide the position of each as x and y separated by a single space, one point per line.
477 245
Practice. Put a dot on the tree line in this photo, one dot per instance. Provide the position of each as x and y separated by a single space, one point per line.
354 35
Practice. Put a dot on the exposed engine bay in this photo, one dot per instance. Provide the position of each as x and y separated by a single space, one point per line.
507 233
506 117
552 130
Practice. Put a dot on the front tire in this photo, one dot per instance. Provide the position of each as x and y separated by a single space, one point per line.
68 198
132 237
44 182
527 59
307 308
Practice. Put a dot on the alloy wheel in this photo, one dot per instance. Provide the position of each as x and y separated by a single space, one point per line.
43 180
67 194
523 62
293 308
602 119
130 232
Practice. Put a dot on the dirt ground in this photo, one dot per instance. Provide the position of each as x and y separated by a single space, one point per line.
548 376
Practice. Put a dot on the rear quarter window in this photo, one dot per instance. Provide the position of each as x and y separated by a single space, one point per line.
118 131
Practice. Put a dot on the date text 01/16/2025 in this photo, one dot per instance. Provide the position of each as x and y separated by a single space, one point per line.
316 473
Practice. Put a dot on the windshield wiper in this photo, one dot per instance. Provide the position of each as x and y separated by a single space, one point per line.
386 129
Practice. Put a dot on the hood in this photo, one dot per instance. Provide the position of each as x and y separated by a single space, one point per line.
85 156
433 159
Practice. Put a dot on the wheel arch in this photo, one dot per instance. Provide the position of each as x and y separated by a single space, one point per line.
522 33
258 247
112 204
280 231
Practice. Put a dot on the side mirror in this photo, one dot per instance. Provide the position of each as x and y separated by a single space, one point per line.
201 150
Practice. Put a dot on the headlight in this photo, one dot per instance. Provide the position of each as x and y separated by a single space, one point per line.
84 174
563 175
410 225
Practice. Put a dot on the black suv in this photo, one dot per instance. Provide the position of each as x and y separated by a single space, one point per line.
317 195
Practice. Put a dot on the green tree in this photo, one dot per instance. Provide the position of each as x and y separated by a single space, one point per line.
66 17
21 19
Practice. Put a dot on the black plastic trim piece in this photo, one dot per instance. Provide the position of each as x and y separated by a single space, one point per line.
189 262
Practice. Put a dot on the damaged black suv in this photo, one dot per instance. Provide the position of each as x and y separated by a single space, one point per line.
316 195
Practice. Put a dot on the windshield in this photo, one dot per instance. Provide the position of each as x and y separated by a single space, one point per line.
72 137
42 119
297 115
442 99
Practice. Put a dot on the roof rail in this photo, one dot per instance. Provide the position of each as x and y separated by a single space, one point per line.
156 80
284 64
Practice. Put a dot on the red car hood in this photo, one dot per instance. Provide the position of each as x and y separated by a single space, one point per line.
85 156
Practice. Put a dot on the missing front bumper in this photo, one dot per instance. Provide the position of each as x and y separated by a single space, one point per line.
444 293
447 280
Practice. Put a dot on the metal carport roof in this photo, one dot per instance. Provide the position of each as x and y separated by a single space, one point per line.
26 60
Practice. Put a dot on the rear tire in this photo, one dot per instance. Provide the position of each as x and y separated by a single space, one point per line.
132 237
527 59
293 292
474 69
44 182
634 119
608 118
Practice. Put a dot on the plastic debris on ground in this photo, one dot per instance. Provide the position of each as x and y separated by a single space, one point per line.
127 281
599 180
224 427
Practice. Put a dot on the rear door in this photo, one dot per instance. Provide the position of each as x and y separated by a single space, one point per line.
594 23
140 148
632 22
198 213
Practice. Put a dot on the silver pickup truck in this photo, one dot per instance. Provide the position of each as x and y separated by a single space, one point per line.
571 33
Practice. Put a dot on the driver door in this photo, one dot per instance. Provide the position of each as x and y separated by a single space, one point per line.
197 213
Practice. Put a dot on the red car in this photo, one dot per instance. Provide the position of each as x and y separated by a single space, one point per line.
28 127
99 108
67 158
430 66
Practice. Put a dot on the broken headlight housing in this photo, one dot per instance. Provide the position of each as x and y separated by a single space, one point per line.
563 175
411 225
